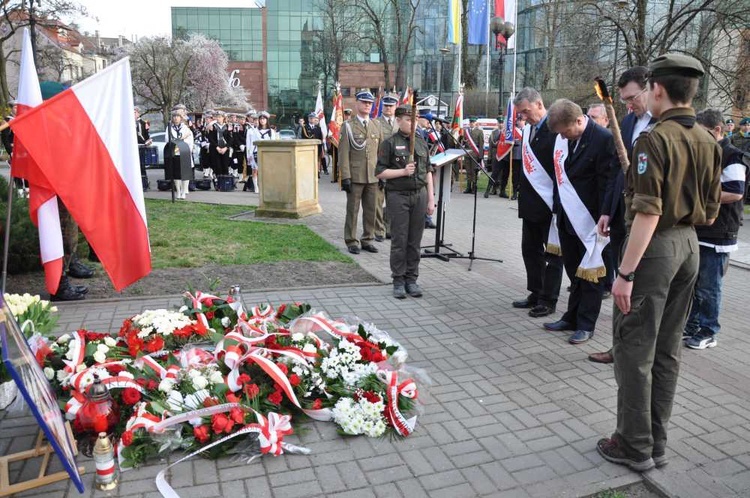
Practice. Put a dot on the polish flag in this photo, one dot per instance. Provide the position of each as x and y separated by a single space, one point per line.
337 117
42 200
82 140
320 113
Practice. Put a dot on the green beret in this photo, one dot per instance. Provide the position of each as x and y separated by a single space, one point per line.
50 89
403 110
675 65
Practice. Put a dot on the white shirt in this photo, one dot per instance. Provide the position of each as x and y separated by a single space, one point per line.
640 125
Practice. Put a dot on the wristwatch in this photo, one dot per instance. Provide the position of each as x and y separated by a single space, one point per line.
628 277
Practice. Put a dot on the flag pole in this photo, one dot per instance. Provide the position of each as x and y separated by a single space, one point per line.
487 75
6 236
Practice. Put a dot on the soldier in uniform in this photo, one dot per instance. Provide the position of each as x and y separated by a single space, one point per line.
741 139
358 155
729 128
672 185
477 137
410 195
387 121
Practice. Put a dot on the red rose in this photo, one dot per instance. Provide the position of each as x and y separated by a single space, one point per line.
283 368
251 390
210 402
141 381
219 422
201 433
208 302
127 438
210 315
130 396
371 396
281 310
317 404
152 385
237 415
231 398
115 369
275 398
243 379
294 380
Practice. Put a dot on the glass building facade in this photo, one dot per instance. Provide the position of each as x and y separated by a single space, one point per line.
238 30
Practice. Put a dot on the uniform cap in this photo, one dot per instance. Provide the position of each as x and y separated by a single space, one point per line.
365 96
473 119
390 99
744 121
312 115
252 114
347 111
675 65
402 110
220 113
729 121
425 113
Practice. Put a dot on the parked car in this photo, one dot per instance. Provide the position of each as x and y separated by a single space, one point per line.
287 134
159 141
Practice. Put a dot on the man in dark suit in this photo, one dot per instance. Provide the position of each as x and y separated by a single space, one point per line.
583 155
543 263
634 94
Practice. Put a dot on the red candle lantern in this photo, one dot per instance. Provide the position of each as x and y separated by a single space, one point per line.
99 413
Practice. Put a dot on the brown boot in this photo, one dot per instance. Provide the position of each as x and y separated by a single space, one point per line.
605 357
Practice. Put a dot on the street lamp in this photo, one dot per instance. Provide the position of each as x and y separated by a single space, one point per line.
443 51
501 27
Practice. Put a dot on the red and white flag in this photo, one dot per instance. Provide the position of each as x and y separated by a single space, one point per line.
320 113
83 142
42 200
337 117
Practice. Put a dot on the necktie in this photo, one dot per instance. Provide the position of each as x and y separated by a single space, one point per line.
574 145
364 123
533 133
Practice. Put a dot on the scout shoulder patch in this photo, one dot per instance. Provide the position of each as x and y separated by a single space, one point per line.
642 163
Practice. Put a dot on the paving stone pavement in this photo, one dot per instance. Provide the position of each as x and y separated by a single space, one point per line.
513 410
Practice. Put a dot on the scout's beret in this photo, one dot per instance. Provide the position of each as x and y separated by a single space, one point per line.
50 89
312 115
365 96
729 121
402 110
744 121
390 99
264 114
675 65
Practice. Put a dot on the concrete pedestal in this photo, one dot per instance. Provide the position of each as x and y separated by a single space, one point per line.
288 177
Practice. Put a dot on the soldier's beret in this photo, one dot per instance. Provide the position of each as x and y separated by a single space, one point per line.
50 89
402 110
390 99
675 64
365 96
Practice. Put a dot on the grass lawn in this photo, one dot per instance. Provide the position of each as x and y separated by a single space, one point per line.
190 234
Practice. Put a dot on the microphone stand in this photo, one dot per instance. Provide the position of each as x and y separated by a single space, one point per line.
472 257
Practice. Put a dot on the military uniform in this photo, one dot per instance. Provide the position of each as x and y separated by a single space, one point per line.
675 175
741 139
358 155
406 197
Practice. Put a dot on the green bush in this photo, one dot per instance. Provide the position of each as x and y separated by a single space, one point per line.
23 251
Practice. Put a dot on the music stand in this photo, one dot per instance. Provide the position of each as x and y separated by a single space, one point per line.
442 162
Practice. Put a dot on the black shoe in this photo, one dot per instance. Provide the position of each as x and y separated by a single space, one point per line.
524 303
399 291
66 292
369 248
430 225
81 289
514 197
503 195
353 249
558 326
79 270
541 310
379 238
412 288
388 236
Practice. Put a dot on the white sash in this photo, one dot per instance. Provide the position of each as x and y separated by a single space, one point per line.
543 185
592 266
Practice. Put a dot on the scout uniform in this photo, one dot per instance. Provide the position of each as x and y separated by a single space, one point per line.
675 175
358 155
389 127
406 198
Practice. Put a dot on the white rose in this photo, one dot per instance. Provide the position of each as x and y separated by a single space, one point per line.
216 377
194 373
100 357
61 375
175 401
225 322
103 348
200 382
110 342
310 348
49 373
63 339
166 385
298 337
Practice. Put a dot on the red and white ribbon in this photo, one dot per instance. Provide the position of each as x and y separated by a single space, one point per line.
77 350
408 389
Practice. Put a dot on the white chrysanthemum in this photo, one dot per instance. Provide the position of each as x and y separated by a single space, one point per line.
298 337
166 385
310 348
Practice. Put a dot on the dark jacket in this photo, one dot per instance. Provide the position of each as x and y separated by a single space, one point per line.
531 207
588 171
727 224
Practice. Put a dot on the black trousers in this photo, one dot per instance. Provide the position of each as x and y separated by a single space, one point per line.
543 270
517 175
613 251
585 299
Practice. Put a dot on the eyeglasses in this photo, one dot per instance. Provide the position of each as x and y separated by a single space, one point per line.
632 98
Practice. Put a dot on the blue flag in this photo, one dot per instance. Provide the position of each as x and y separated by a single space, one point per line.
478 22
